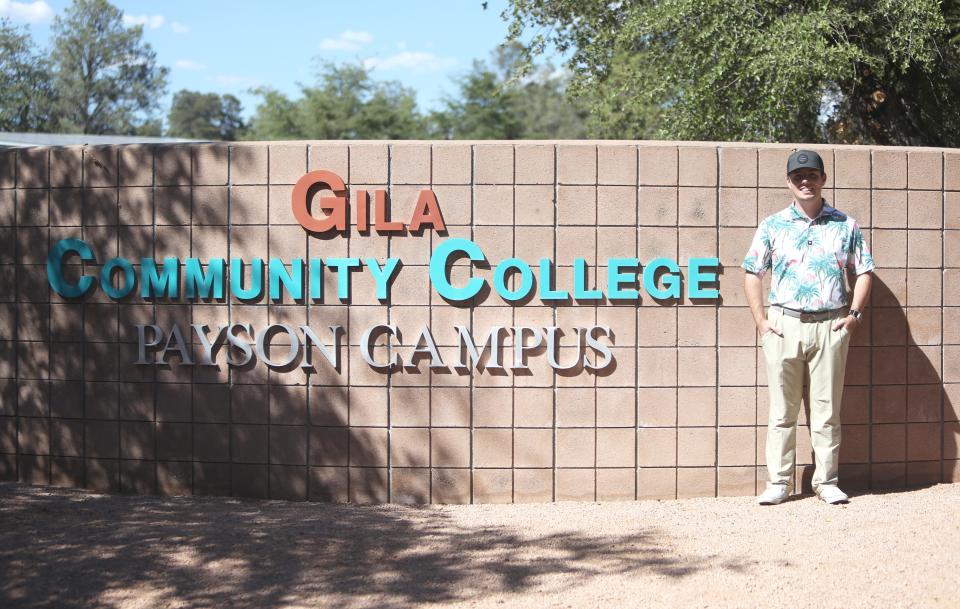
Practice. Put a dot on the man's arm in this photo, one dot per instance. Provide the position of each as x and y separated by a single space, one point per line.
753 288
861 292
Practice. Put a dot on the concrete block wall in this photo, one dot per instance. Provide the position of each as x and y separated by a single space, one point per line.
682 414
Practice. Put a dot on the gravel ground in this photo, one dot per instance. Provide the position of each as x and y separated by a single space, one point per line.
69 548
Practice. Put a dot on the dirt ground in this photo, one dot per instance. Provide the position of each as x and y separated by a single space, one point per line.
68 548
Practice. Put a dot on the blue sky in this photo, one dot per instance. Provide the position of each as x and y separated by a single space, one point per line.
229 47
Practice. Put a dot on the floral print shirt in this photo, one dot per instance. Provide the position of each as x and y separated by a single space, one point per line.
808 257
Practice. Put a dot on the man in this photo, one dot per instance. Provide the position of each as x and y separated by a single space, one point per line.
806 332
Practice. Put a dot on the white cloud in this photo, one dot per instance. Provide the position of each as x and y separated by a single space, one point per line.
178 28
360 37
348 40
148 21
31 12
188 64
416 61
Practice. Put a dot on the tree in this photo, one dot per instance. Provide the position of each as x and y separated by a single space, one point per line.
346 103
152 127
951 13
25 92
908 90
493 105
275 117
544 109
484 109
107 79
205 116
884 71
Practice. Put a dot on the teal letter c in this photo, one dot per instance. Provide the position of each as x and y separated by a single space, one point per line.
438 269
55 268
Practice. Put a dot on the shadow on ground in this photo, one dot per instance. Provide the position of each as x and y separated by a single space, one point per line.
64 548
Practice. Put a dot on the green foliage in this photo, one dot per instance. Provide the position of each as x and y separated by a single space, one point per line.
101 77
276 117
483 111
25 93
883 71
616 108
106 78
493 105
205 116
346 103
951 14
152 127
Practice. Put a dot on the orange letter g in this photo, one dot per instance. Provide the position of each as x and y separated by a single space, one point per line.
336 207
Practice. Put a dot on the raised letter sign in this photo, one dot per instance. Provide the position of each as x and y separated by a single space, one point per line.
336 207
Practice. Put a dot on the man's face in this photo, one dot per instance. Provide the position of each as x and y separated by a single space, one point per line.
806 184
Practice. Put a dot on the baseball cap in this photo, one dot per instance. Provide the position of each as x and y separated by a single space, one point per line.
801 159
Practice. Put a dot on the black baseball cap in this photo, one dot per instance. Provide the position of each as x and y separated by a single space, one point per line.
804 159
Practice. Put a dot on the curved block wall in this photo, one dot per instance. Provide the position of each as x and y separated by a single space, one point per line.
681 413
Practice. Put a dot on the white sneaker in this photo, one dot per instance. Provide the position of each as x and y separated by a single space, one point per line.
832 495
775 493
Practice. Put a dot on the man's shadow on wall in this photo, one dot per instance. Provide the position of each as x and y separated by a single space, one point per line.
894 404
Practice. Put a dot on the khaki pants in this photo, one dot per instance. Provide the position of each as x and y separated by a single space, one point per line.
813 351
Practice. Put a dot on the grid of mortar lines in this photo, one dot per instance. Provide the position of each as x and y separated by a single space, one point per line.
389 379
513 318
83 321
310 387
154 373
636 356
193 429
870 352
941 351
269 482
230 427
590 377
943 301
430 439
49 467
16 325
555 393
873 424
471 492
676 331
267 381
716 338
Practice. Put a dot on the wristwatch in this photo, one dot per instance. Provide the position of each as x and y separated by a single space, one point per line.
855 314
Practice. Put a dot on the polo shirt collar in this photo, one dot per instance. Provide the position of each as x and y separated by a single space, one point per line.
797 214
